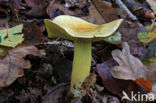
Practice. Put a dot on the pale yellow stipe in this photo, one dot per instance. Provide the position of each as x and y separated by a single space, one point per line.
81 65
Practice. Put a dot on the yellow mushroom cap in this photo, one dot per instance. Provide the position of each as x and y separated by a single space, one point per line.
75 28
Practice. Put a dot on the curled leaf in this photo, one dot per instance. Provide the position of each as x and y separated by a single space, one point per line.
148 35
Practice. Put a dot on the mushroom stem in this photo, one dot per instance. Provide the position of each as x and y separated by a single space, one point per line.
81 65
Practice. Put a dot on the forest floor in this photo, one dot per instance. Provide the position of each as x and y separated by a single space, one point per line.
46 79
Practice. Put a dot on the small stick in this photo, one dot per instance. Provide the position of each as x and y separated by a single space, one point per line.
123 6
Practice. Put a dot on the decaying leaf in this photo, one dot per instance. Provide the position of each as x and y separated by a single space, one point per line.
147 35
55 93
38 8
131 68
55 9
11 67
88 83
114 85
107 11
11 37
129 31
33 35
94 16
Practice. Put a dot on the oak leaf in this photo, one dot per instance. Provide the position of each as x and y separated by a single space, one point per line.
131 68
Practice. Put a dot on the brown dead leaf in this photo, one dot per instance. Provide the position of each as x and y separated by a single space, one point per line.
11 67
55 93
36 12
94 16
55 9
114 85
38 8
88 83
108 12
131 68
129 32
33 35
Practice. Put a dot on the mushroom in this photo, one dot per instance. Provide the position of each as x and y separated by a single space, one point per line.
83 34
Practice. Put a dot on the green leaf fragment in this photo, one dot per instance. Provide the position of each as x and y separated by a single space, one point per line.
143 36
148 35
115 38
11 37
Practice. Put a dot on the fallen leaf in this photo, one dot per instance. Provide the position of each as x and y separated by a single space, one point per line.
129 32
88 83
147 34
114 85
75 3
13 65
33 35
131 68
94 16
55 9
147 84
38 8
108 80
11 37
107 11
55 93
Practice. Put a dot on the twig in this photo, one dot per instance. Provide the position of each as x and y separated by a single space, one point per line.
123 6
